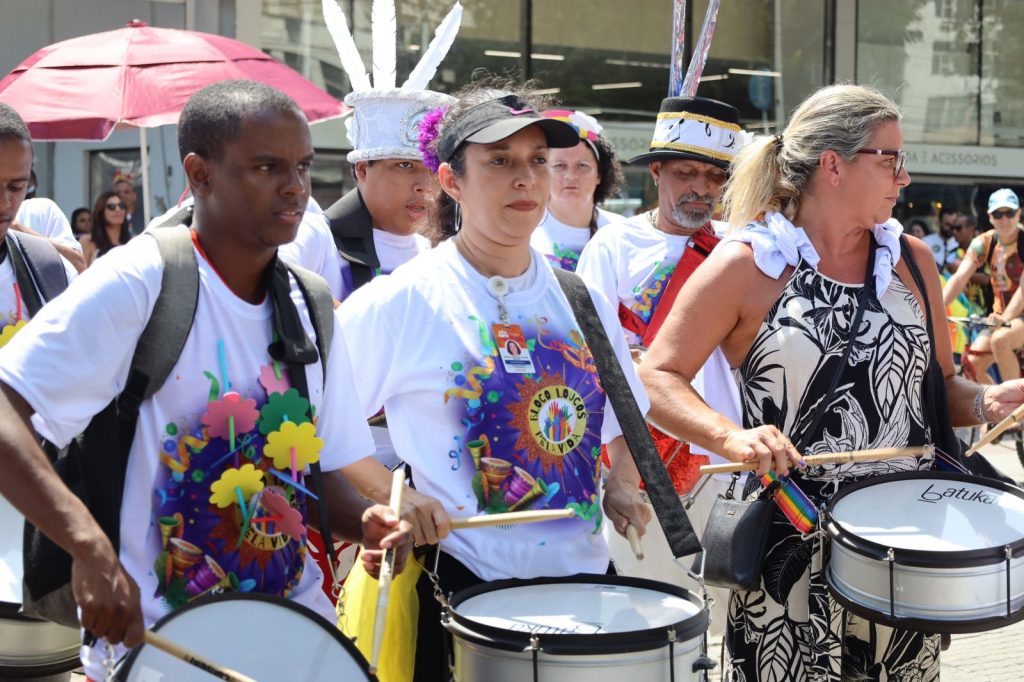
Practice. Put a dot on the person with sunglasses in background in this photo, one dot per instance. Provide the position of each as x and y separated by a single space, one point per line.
1000 249
109 227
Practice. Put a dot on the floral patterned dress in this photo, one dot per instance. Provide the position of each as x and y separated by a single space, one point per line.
791 628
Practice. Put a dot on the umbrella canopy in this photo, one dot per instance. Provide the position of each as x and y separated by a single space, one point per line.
83 88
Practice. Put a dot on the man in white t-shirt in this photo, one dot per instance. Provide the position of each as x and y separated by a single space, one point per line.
197 483
640 263
43 217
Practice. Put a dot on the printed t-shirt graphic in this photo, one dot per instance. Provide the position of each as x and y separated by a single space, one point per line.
532 440
562 244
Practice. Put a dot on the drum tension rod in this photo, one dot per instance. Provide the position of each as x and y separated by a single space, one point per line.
890 556
672 654
535 647
1008 551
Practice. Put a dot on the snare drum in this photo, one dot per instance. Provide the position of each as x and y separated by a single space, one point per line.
28 647
592 628
266 638
928 551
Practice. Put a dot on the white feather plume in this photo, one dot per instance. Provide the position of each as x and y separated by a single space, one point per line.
384 26
435 53
337 26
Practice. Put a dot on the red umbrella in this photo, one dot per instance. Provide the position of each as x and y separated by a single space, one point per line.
139 76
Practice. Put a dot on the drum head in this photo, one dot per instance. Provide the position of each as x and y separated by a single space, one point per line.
263 637
11 525
629 614
932 512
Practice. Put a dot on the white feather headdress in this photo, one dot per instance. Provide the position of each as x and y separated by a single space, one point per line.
385 119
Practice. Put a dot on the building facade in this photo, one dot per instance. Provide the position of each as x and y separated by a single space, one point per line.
948 63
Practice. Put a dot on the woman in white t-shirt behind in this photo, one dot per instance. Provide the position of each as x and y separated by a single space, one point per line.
582 177
492 396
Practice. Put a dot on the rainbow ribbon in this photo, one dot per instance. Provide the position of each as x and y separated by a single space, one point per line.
797 507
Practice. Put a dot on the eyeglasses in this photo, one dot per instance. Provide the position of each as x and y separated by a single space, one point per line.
899 156
1004 213
115 207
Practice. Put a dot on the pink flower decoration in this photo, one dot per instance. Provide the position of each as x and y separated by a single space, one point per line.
270 382
219 412
291 520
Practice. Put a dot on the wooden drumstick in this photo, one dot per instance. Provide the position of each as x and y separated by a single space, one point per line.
996 430
634 541
386 569
512 517
167 646
837 458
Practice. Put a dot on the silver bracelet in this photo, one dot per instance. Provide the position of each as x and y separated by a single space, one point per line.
978 408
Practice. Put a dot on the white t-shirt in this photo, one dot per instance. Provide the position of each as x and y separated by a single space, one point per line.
562 244
46 218
180 475
314 249
940 247
631 262
14 315
429 354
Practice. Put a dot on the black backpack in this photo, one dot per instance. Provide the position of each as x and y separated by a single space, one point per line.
93 465
38 269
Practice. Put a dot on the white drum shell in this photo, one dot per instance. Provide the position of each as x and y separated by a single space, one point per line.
952 583
28 647
589 629
939 594
475 662
263 637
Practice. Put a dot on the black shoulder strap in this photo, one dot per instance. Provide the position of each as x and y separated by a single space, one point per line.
38 269
352 228
680 535
991 248
165 334
321 307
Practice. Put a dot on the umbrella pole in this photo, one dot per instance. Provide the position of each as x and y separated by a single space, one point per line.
144 145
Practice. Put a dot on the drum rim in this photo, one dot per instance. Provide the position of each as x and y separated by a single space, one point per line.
313 616
925 625
579 644
924 558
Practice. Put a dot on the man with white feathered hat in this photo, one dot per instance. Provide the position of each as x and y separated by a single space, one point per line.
375 228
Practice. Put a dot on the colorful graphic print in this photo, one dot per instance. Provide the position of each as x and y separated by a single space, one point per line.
13 320
230 504
530 441
646 296
563 257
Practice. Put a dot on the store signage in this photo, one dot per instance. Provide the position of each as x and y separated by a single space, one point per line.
935 159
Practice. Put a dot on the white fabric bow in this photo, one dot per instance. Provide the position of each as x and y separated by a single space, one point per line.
777 243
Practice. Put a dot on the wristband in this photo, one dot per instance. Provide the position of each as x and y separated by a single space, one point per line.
978 407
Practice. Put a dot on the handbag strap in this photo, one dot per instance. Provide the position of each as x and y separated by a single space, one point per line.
679 533
862 302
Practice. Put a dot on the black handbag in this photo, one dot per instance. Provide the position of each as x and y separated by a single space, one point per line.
736 535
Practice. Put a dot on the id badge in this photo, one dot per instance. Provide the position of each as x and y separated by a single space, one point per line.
512 349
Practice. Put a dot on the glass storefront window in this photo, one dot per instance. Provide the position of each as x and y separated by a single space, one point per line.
924 54
1002 89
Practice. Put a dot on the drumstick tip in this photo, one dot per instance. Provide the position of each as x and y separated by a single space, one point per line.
634 541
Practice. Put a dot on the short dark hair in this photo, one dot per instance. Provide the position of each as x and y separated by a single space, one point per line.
947 210
213 116
925 227
969 219
12 126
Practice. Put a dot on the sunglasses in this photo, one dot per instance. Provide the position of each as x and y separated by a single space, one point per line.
115 207
1004 213
899 157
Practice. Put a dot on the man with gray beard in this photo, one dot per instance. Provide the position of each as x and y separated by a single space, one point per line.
641 264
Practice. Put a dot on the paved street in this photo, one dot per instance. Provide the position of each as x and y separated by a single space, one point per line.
995 656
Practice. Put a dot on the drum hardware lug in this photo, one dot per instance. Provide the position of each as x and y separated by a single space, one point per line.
691 497
890 557
535 648
672 654
1008 551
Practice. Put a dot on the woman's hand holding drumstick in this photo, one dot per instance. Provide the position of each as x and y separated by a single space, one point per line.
836 458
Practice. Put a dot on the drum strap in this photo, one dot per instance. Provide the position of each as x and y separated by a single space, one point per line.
294 348
682 539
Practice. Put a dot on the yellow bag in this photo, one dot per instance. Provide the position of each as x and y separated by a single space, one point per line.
398 648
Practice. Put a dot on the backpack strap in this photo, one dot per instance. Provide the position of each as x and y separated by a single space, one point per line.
38 269
321 308
352 229
165 334
183 216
